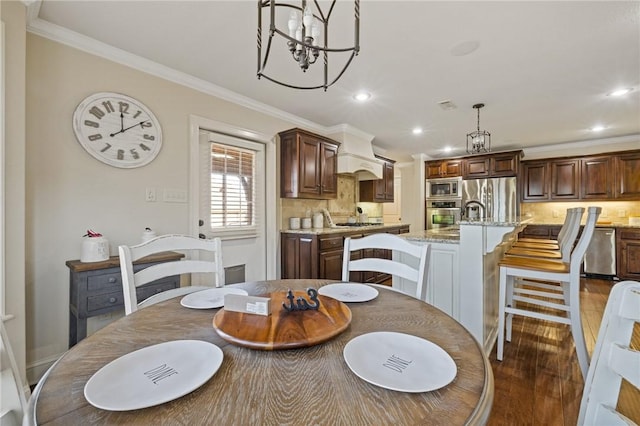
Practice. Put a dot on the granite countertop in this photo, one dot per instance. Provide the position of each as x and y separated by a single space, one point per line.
451 236
339 229
512 221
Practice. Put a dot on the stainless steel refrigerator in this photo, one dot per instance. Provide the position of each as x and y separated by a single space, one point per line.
498 198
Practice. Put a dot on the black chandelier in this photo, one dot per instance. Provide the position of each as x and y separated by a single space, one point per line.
307 38
480 140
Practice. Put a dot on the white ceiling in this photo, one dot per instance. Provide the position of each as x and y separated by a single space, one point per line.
543 68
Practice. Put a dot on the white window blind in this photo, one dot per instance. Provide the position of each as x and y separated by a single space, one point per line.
231 196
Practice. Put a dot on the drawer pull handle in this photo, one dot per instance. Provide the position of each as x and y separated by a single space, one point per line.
112 279
112 300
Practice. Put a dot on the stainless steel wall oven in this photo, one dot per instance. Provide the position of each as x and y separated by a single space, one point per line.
442 213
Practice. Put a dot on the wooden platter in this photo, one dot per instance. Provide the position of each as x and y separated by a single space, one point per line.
282 329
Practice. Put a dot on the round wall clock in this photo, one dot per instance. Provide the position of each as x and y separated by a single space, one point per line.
117 130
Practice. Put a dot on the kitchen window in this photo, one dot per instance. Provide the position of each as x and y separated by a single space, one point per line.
231 192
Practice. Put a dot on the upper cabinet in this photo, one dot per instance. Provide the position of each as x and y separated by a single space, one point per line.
443 168
502 164
601 177
308 164
627 167
379 190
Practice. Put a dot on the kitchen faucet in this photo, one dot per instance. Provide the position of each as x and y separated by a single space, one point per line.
474 202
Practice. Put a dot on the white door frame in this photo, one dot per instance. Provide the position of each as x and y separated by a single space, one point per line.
196 123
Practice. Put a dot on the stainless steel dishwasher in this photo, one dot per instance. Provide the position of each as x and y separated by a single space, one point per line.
600 258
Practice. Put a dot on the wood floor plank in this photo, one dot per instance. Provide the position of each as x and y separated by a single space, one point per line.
539 380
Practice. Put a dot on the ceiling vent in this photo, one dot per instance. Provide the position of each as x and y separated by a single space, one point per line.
447 105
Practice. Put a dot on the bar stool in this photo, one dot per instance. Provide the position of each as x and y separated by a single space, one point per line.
566 273
566 239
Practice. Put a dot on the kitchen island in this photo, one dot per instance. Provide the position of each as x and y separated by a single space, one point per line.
463 277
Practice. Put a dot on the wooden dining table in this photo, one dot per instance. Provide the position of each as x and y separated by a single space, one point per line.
304 386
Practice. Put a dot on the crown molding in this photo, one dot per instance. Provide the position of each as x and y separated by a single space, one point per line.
606 144
92 46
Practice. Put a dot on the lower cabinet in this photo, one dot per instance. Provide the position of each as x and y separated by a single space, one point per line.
319 256
544 232
628 253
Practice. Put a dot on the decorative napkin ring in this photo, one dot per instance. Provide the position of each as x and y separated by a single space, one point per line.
301 304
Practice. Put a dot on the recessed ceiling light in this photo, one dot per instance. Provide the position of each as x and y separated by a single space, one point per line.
362 96
597 128
620 92
417 130
447 149
465 48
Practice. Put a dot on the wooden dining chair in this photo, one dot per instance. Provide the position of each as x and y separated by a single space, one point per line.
131 280
530 301
16 406
612 359
565 242
13 400
401 249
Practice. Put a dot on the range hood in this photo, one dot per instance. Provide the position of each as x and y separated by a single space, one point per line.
355 155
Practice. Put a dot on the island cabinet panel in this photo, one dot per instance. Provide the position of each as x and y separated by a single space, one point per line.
535 181
596 177
565 179
628 253
308 165
320 255
379 190
628 176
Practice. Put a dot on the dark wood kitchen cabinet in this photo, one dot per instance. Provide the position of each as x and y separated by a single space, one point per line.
627 167
596 177
611 176
379 190
544 232
565 179
311 256
628 253
535 181
443 168
308 165
502 164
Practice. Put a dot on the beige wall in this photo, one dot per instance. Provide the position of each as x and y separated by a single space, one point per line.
616 212
14 18
68 191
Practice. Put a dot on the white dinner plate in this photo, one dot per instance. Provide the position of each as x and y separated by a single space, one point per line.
399 362
153 375
349 292
209 299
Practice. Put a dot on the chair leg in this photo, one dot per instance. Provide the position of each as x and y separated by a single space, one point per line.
502 300
509 302
576 326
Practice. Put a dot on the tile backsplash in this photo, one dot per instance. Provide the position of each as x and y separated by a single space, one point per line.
340 209
612 211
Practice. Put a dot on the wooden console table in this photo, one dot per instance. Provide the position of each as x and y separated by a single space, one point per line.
95 288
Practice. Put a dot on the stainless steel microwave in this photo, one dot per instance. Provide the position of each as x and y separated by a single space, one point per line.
444 188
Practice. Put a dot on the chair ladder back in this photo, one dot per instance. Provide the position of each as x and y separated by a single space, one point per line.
587 232
612 360
178 267
569 238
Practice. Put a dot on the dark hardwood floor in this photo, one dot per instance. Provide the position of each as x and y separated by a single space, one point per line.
539 381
